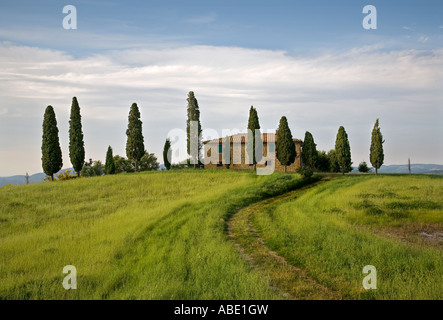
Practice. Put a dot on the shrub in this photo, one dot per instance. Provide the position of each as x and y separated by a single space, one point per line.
66 175
305 172
363 167
92 169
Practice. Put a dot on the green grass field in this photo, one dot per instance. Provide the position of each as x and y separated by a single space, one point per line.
163 235
156 235
332 231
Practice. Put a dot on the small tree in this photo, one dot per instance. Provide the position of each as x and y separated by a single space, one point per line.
123 165
363 167
109 164
376 152
254 145
149 162
167 154
343 151
285 148
309 152
334 165
323 162
76 144
92 169
135 148
52 160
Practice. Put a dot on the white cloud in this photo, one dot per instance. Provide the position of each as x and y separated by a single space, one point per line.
423 39
317 93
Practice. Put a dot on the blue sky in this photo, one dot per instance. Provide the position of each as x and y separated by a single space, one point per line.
309 60
295 26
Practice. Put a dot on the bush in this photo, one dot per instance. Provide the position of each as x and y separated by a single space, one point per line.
66 175
92 169
305 172
62 176
363 167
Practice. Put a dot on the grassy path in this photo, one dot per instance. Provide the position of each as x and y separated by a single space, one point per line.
330 232
293 282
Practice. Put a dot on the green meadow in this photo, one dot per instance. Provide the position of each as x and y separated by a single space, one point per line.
155 235
392 222
164 235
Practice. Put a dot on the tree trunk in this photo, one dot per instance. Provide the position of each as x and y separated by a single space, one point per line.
52 177
343 172
78 174
285 169
376 171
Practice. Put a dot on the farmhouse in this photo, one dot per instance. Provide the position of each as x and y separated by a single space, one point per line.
213 153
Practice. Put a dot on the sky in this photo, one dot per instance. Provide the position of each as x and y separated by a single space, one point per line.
311 61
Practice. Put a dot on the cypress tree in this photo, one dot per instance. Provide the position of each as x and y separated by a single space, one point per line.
109 164
76 144
167 152
334 166
343 151
135 148
193 115
52 160
376 152
254 148
285 148
309 151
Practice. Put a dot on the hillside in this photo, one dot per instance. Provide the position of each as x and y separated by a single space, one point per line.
175 235
154 235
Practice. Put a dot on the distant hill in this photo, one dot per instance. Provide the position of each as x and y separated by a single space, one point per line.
415 168
20 179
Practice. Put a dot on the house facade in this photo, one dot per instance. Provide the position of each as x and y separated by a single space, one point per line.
216 156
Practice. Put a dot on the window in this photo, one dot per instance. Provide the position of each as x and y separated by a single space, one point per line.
271 147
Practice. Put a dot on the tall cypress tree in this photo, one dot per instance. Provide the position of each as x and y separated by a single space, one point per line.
110 163
52 160
343 151
285 147
167 152
376 152
309 152
254 148
193 115
135 148
76 144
